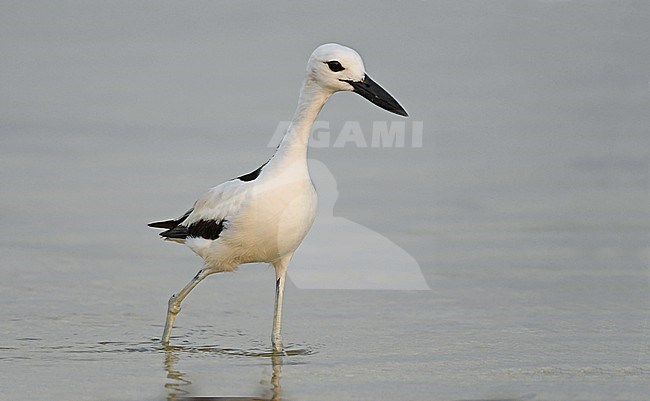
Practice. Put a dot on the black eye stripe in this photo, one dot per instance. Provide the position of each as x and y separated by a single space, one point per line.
335 66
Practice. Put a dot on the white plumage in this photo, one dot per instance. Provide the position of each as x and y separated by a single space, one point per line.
263 216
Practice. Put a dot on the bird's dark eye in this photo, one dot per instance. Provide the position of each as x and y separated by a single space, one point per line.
334 66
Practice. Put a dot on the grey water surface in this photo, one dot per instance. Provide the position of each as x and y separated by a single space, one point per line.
526 206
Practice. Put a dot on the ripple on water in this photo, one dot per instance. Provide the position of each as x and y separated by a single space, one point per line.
86 350
190 342
253 352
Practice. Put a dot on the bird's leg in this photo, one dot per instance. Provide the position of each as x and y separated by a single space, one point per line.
280 276
276 337
174 304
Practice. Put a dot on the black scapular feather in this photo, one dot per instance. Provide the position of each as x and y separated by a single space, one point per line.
252 175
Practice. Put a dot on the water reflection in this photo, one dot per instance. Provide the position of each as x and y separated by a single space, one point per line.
178 384
176 380
275 391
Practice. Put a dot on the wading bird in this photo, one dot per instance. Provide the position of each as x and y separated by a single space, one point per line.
264 215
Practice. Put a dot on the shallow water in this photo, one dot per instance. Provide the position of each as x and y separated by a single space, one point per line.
526 208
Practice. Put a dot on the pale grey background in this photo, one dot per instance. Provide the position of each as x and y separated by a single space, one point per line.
527 206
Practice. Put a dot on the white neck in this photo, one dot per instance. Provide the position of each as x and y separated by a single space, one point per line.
295 141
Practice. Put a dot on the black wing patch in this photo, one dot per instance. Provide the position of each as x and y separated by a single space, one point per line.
252 175
208 229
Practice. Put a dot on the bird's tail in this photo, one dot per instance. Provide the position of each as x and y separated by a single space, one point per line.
173 229
169 224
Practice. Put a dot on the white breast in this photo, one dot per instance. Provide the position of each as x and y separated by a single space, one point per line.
270 218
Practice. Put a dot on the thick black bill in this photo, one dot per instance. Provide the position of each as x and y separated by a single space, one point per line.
376 94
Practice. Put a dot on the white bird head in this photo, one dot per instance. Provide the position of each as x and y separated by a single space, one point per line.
339 68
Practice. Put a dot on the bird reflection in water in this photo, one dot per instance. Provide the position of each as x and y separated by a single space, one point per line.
175 378
177 384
